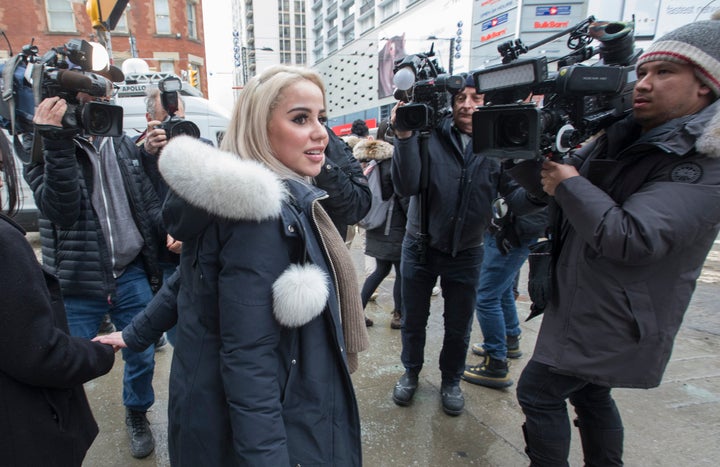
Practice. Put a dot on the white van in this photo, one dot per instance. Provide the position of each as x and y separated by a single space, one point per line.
211 119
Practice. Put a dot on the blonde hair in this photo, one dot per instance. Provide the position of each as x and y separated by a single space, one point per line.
247 134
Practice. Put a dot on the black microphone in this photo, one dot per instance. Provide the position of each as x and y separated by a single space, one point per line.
92 84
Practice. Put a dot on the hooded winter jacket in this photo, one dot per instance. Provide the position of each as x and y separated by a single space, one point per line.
635 230
259 374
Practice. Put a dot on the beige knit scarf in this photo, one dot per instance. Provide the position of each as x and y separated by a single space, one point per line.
351 310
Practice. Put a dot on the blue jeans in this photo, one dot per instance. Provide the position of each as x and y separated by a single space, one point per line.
495 307
542 393
132 294
458 279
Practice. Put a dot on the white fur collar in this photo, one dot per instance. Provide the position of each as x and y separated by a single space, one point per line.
220 182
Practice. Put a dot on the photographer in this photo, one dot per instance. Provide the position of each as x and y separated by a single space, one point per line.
461 188
99 225
638 212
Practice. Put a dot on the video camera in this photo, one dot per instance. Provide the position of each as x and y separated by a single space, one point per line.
169 98
579 100
69 69
420 80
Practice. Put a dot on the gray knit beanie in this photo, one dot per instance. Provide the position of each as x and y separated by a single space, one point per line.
697 44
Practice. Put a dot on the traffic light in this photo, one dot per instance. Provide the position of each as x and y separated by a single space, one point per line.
193 78
105 14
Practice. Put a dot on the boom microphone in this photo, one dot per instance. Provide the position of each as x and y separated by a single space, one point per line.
91 83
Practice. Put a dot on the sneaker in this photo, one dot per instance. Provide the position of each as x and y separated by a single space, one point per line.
141 438
368 322
162 342
405 389
453 400
106 327
396 321
513 348
490 373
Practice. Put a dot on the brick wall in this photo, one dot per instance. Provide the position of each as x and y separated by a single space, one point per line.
25 20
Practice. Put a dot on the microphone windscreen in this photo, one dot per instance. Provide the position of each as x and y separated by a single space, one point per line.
73 80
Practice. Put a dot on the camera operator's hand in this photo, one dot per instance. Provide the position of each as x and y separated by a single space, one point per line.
155 138
398 133
50 112
552 174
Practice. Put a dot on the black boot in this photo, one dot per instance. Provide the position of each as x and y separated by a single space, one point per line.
142 442
405 388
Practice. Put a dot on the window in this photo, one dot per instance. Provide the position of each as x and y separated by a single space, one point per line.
162 17
167 67
122 24
60 15
192 21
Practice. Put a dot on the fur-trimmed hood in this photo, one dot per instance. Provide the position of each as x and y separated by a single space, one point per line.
220 182
709 141
373 149
228 187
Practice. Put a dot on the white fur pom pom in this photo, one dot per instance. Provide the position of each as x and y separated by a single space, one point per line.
300 295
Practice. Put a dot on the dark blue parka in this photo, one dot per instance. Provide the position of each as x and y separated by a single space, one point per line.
259 374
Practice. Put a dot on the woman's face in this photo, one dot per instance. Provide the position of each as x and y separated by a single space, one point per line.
297 128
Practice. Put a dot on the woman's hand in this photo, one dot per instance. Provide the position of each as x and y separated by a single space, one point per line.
114 338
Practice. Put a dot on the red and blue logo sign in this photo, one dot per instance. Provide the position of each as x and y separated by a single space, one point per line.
491 23
562 10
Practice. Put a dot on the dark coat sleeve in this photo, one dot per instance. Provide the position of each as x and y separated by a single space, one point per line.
157 317
55 181
35 346
342 178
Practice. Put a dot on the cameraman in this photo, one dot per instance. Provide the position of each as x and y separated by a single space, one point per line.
99 224
638 212
458 199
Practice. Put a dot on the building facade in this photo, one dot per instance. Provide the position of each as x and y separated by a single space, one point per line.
167 34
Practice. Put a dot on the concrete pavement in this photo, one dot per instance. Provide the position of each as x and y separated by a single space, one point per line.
676 424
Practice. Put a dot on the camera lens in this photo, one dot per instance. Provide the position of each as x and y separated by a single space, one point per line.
99 118
513 130
183 127
413 117
99 121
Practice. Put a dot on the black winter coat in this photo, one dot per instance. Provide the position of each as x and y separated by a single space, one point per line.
461 188
259 376
635 230
378 243
73 244
45 419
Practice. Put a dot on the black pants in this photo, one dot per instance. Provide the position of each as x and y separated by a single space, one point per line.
458 278
542 395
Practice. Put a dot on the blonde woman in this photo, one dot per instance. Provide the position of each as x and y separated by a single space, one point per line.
261 369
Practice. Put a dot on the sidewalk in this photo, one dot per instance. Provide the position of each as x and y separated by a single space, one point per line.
676 424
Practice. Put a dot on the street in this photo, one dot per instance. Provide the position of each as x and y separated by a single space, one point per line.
674 425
